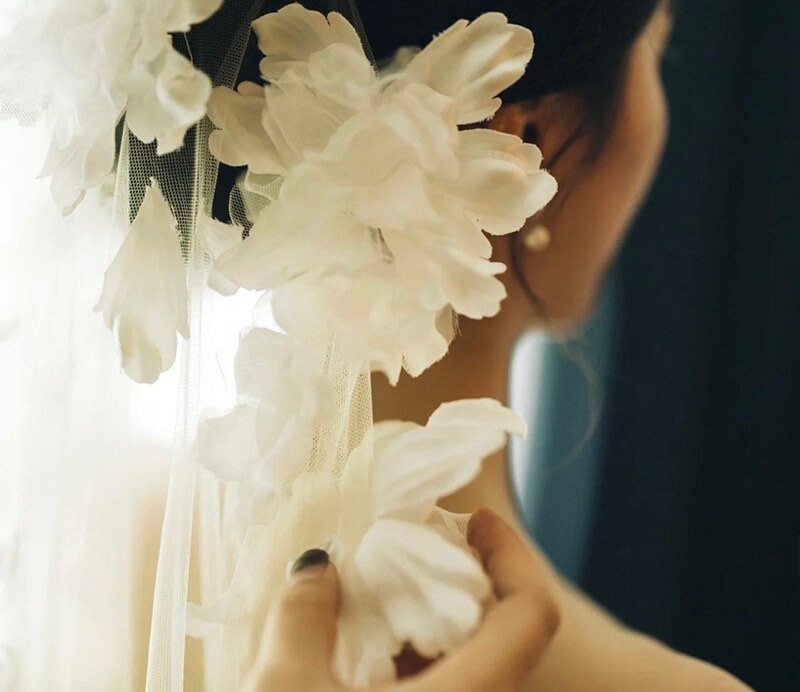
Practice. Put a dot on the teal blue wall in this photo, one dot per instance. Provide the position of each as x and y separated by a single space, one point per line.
559 387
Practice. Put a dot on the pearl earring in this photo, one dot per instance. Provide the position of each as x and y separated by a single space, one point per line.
538 239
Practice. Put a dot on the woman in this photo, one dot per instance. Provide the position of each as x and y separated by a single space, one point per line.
592 99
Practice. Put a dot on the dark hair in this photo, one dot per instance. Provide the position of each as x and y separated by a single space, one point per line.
581 45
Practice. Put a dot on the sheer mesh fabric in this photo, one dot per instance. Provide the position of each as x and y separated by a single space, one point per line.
84 487
199 537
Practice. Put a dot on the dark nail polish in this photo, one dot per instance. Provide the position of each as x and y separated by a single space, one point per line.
316 557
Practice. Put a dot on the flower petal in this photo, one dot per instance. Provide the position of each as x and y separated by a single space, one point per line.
467 413
83 164
425 342
501 181
182 92
264 359
417 467
227 445
261 260
306 230
430 591
413 124
85 63
286 428
184 13
293 34
473 62
144 293
371 320
284 378
365 646
165 98
342 77
443 275
298 122
240 139
400 200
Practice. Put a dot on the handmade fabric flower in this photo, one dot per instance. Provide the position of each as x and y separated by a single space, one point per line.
144 296
404 577
375 192
265 441
87 62
401 334
426 590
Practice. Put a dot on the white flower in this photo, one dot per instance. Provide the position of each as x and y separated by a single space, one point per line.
144 292
405 577
401 334
88 62
265 440
427 590
378 202
473 62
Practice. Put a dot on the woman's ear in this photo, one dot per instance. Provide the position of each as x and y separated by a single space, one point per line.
548 122
512 119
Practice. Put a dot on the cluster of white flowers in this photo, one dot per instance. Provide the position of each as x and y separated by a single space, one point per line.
369 236
87 63
406 576
374 235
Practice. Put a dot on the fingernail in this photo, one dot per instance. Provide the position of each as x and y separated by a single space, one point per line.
310 564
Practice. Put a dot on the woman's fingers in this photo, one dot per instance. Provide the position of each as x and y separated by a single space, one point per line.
301 632
515 632
511 565
304 621
298 644
524 587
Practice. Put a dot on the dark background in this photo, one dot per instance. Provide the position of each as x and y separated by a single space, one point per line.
682 514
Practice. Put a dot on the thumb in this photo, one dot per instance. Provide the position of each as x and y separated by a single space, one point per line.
516 630
301 630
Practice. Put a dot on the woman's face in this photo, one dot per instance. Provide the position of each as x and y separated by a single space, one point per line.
597 201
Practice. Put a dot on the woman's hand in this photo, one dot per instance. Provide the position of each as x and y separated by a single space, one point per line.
300 635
